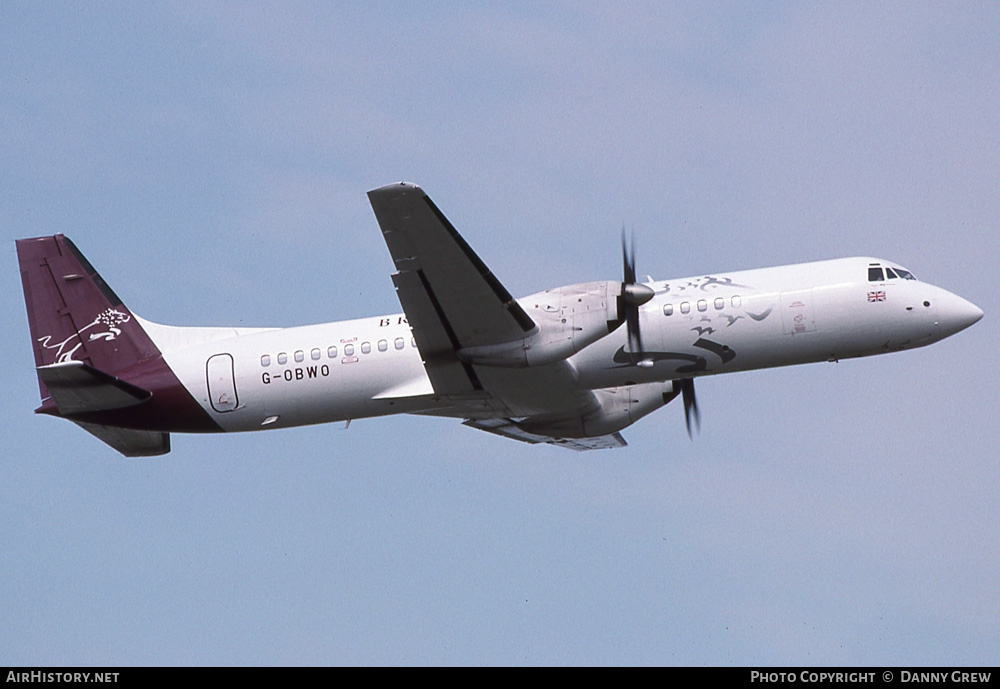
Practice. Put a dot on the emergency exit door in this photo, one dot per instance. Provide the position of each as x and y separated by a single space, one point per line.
222 383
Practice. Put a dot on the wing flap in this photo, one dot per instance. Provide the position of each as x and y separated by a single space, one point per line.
417 387
510 429
435 339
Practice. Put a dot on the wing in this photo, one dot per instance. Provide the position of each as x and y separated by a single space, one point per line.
453 301
450 297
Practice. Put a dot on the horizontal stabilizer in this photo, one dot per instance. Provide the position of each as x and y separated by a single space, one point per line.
510 429
76 388
129 442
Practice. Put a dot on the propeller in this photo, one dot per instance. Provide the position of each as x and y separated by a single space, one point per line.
685 386
633 295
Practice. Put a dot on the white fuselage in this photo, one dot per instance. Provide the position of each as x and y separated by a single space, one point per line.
255 379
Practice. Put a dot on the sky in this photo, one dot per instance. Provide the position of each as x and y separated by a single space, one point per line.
211 160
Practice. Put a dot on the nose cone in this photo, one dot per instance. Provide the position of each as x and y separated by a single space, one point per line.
955 314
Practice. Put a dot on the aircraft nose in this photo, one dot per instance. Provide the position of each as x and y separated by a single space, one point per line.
955 314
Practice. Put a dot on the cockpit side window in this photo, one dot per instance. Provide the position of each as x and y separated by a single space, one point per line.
889 273
875 274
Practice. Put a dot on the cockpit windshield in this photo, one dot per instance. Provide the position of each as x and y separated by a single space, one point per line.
875 273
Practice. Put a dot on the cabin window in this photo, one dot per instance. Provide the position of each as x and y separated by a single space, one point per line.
265 360
736 301
299 356
413 342
366 347
875 274
668 309
720 303
702 305
282 358
685 307
331 352
315 354
399 343
349 350
382 345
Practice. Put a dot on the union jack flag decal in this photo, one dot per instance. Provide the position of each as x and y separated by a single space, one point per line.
876 296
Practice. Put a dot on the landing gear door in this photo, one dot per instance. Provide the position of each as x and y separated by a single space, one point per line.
222 383
797 312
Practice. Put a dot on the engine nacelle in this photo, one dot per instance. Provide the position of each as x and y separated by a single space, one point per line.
616 409
568 319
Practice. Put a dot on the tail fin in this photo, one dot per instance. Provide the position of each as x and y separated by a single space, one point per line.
72 313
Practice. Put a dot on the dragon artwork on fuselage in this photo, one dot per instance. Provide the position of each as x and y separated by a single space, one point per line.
718 322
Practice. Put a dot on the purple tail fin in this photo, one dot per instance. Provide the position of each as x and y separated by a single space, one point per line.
72 313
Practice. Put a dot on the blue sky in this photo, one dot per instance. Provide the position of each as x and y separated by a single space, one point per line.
212 159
